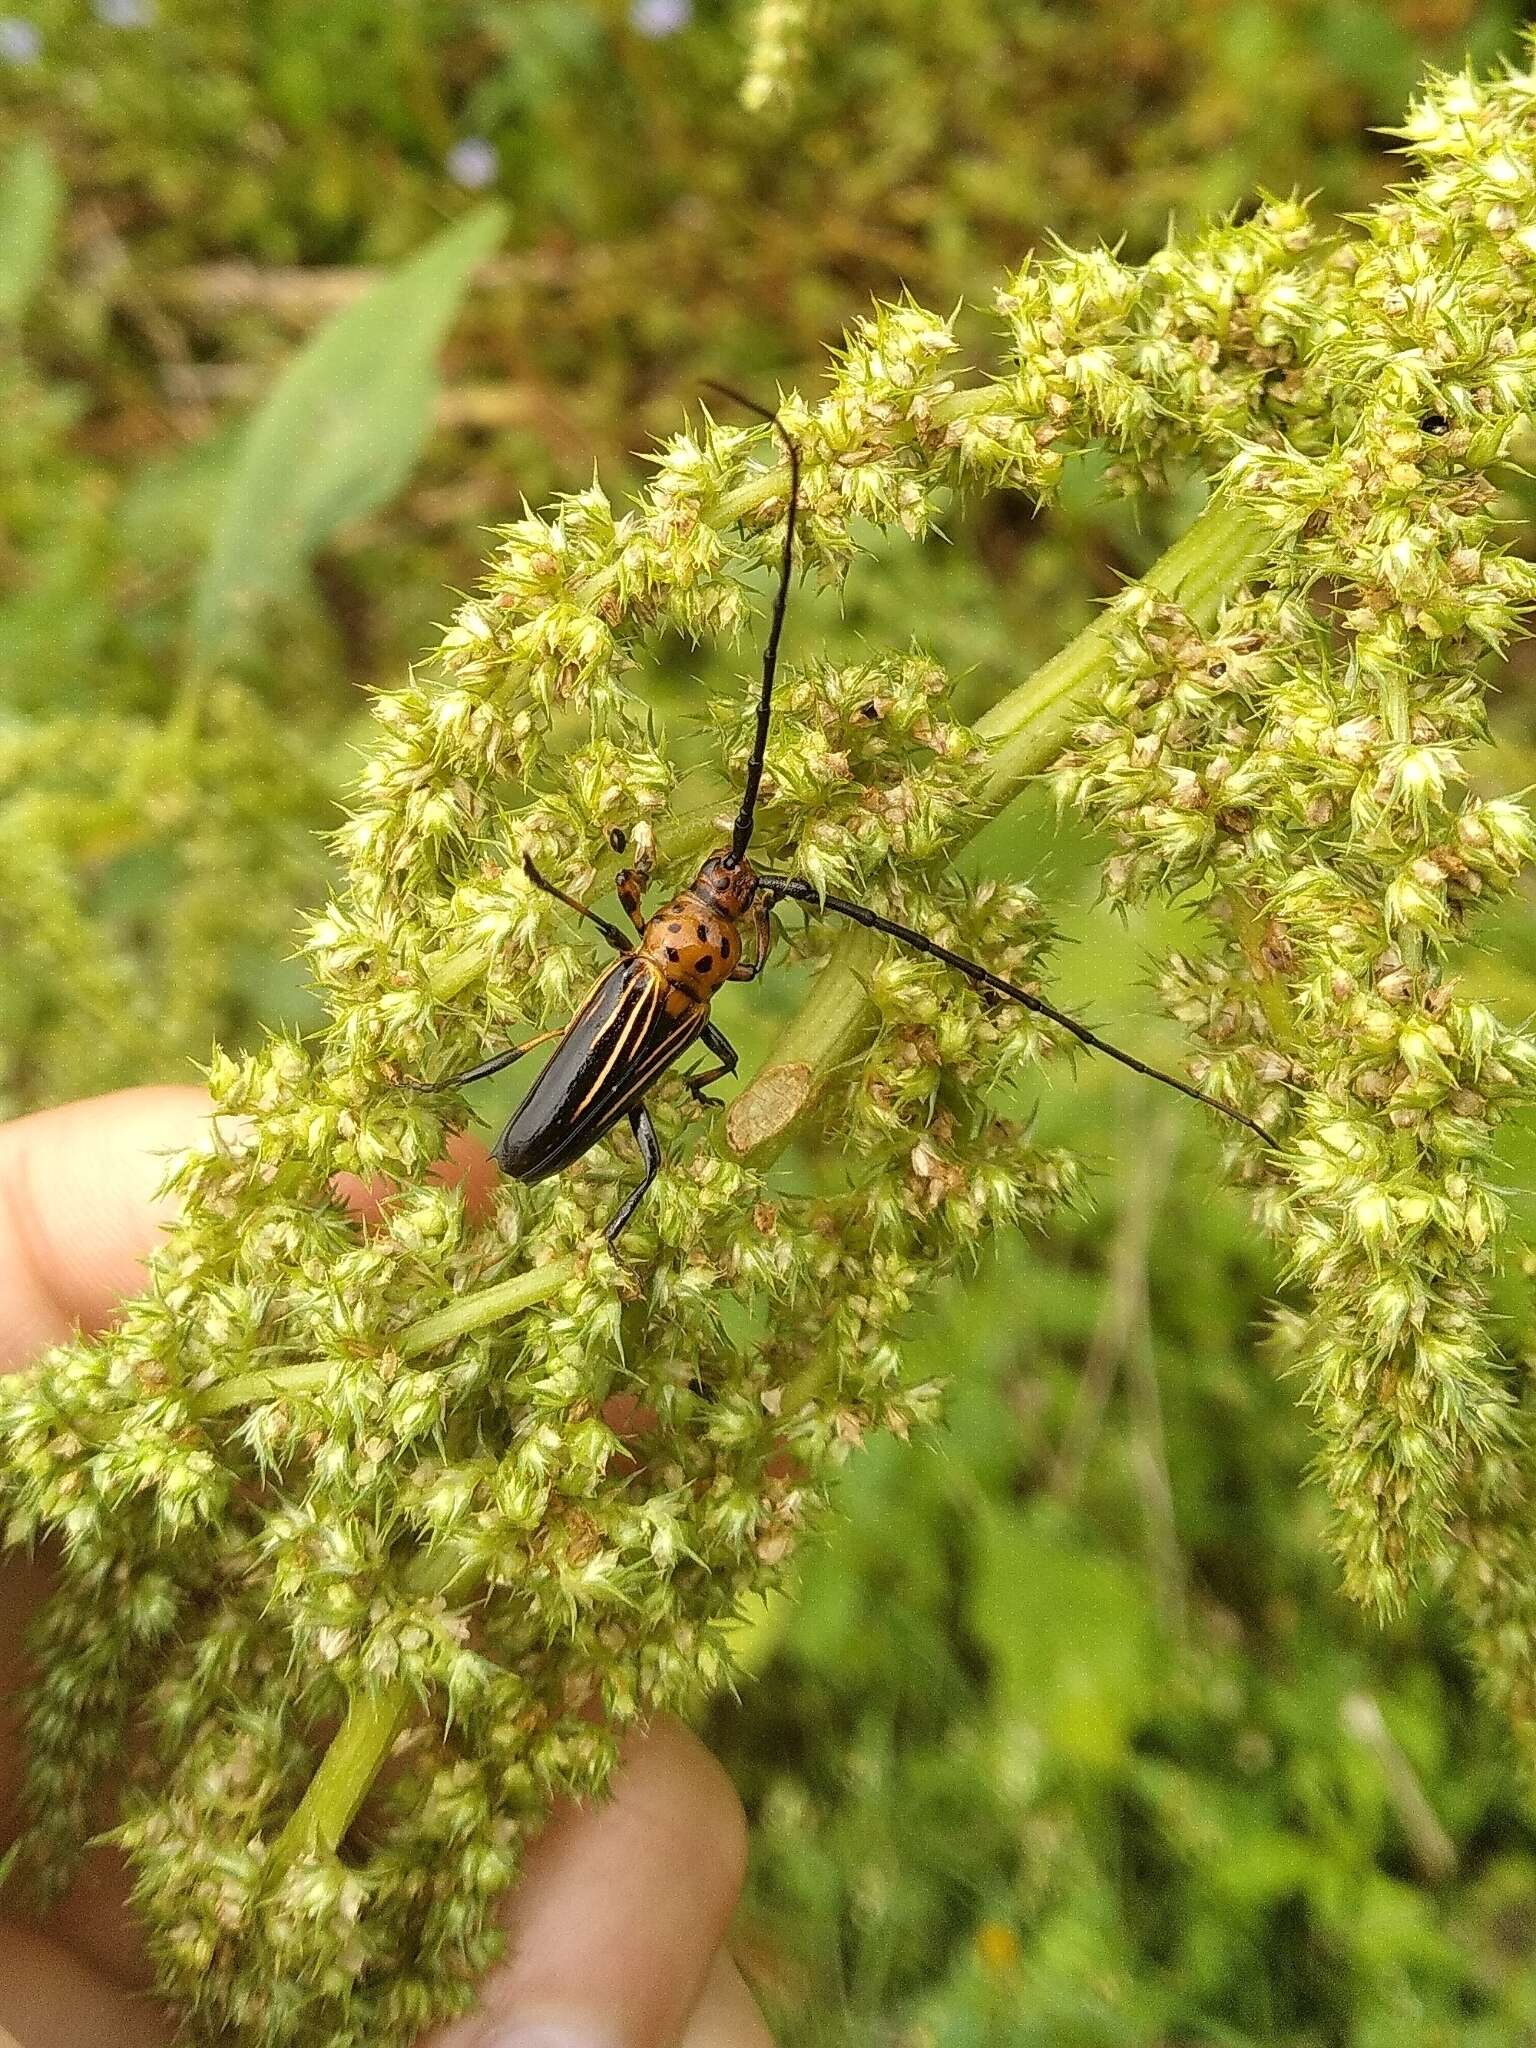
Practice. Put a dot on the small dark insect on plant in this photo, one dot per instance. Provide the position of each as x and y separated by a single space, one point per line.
650 1005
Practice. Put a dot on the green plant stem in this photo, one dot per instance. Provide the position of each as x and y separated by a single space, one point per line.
355 1752
340 1784
461 1317
1221 551
471 1312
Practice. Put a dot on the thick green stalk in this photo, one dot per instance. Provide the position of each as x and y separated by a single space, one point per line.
470 1312
1215 558
356 1751
340 1784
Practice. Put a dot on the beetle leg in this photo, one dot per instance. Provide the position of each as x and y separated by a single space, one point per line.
762 939
610 932
725 1053
630 888
650 1152
497 1064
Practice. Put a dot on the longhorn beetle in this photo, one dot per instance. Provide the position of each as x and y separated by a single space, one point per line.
649 1005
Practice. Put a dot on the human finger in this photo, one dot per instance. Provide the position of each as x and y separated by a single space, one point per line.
52 1998
726 2015
615 1926
80 1208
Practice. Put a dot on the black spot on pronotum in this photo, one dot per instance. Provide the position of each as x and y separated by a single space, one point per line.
1434 423
702 930
674 929
672 950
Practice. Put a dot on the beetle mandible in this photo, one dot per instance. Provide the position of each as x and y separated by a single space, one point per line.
651 1003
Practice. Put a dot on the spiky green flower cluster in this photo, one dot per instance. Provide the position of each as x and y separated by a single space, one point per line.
435 1489
1307 761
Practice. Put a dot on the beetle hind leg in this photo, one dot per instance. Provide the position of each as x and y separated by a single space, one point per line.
496 1064
650 1152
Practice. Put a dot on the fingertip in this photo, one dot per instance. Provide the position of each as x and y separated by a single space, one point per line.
727 2014
621 1910
81 1207
678 1788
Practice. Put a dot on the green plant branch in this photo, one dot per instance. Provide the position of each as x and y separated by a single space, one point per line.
355 1753
459 1318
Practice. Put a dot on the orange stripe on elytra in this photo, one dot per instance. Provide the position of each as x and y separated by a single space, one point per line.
639 1016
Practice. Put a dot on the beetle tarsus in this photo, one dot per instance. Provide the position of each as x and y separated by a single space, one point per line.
705 1077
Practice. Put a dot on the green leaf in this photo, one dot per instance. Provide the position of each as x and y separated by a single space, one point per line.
1070 1631
31 201
336 437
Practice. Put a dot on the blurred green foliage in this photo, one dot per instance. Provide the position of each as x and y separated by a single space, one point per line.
1068 1738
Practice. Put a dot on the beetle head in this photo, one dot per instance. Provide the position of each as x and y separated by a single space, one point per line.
727 882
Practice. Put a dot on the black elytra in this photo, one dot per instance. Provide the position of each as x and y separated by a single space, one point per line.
651 1003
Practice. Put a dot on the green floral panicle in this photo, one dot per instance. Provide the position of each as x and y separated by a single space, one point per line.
425 1492
1307 760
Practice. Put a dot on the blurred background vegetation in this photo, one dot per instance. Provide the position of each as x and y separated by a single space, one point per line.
1068 1738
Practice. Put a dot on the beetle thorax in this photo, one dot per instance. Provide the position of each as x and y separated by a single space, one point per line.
695 943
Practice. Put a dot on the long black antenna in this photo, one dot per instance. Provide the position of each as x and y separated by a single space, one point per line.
778 886
741 833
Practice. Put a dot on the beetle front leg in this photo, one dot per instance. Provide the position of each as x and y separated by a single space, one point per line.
629 886
762 939
610 932
650 1152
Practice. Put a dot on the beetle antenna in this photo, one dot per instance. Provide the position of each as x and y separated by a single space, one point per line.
797 891
741 832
